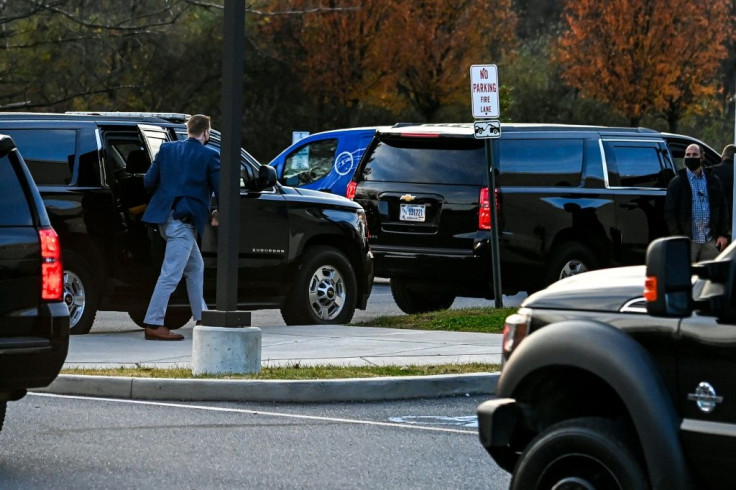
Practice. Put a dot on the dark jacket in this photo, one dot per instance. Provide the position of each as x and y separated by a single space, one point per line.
182 177
724 171
678 206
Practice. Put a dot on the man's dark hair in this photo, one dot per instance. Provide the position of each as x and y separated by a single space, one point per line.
728 153
197 124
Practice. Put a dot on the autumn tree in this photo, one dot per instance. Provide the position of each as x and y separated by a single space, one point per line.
390 53
436 42
644 56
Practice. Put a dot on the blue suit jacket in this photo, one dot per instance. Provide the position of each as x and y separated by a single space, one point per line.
184 173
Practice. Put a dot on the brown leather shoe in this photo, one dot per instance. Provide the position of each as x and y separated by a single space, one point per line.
162 333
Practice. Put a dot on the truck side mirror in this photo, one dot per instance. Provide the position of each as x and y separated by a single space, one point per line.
266 176
668 284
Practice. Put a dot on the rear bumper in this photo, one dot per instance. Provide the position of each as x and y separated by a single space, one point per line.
497 422
460 273
33 357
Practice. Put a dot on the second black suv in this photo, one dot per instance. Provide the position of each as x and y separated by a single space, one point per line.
569 199
34 321
304 252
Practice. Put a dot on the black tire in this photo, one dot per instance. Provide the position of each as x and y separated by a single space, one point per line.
3 407
175 317
323 291
579 453
410 301
81 293
568 260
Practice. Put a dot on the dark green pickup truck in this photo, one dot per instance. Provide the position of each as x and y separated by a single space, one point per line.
621 378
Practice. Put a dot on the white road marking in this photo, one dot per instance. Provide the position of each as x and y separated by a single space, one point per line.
259 412
470 421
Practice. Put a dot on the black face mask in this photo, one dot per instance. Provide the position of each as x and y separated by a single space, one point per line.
692 162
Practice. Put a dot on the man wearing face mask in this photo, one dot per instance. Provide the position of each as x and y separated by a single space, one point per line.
696 207
183 176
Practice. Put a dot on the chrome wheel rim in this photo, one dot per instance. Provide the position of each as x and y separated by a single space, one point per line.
74 297
573 267
327 293
578 472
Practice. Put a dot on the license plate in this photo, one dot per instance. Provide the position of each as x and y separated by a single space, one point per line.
412 212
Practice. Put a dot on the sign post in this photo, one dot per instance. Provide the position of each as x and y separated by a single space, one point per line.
484 94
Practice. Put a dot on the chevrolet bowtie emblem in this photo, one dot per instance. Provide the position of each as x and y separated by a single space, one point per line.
407 197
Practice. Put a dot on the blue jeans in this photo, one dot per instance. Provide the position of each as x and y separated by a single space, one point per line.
182 257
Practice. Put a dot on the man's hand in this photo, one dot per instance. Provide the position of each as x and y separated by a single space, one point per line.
721 242
215 219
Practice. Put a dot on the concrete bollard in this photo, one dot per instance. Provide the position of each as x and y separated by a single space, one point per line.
226 350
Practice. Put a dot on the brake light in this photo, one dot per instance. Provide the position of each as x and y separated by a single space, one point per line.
350 191
484 211
52 270
420 135
650 288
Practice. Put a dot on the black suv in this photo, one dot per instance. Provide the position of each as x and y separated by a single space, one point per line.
34 321
621 378
569 199
302 251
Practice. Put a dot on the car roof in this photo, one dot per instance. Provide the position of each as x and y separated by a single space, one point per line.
148 117
466 129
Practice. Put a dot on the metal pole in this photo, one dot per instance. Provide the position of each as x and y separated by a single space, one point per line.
232 105
495 255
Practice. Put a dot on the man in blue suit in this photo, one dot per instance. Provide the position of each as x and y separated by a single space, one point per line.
183 177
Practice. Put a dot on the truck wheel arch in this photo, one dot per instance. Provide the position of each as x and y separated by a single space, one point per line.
626 367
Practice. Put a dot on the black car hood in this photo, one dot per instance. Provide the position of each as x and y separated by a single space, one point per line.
602 290
321 196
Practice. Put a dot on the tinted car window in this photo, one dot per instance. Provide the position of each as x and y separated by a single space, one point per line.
310 162
427 161
540 163
634 164
48 153
13 202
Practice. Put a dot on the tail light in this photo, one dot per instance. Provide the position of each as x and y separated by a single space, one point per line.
515 329
350 191
52 270
484 211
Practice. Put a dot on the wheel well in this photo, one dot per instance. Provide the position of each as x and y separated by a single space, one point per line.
561 393
596 242
91 253
341 244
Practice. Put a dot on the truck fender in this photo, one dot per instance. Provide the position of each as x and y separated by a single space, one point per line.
629 370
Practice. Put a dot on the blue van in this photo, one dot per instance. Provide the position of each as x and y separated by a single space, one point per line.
323 161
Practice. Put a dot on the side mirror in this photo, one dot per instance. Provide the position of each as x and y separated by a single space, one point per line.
266 176
668 285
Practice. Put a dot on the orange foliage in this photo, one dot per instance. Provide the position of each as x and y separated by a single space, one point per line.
389 53
644 56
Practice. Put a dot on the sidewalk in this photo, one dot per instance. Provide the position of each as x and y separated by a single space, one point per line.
288 346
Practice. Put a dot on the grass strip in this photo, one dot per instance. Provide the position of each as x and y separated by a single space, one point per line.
297 372
481 320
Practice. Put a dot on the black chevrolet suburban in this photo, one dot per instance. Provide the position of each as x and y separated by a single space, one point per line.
34 321
569 199
621 378
303 252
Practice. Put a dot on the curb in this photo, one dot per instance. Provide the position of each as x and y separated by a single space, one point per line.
298 391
